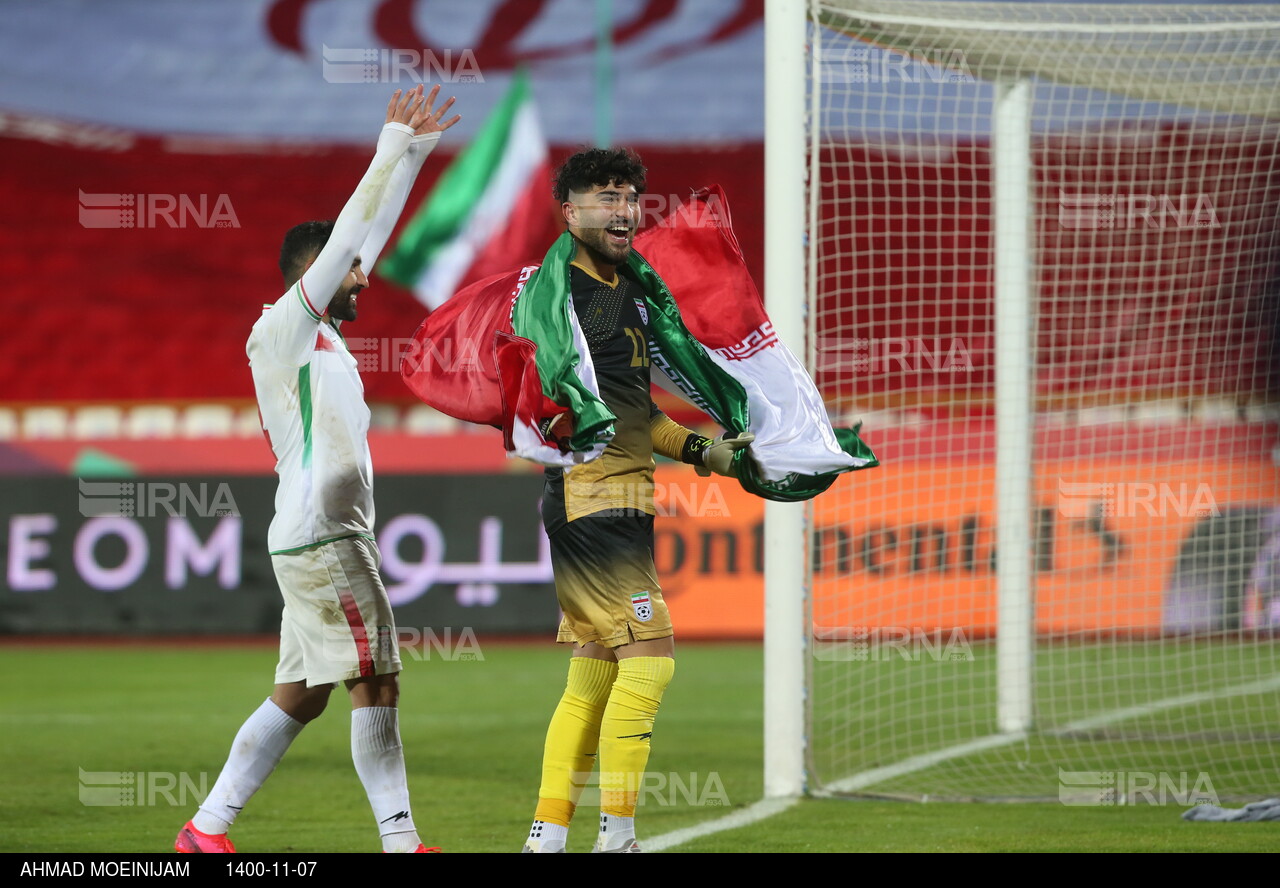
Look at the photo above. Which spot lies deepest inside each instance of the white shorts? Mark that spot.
(337, 622)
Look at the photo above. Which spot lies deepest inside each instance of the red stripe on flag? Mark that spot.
(521, 388)
(358, 631)
(697, 254)
(761, 338)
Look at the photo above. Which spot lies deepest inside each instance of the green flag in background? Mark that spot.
(491, 209)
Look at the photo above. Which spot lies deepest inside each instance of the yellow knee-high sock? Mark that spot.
(626, 729)
(572, 738)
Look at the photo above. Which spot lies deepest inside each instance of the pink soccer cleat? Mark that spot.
(191, 841)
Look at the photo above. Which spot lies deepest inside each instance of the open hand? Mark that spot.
(415, 110)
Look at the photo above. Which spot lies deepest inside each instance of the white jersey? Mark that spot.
(308, 384)
(317, 423)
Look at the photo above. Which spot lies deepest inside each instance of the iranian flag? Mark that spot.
(490, 208)
(509, 352)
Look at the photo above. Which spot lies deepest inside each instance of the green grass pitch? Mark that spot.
(473, 732)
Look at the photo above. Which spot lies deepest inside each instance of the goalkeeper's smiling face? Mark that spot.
(604, 219)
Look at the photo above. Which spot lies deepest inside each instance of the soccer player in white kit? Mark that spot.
(337, 624)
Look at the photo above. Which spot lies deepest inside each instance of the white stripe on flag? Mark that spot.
(792, 429)
(524, 152)
(526, 440)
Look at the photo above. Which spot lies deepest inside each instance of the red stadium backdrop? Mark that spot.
(126, 314)
(162, 313)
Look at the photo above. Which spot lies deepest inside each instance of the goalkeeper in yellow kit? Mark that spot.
(599, 519)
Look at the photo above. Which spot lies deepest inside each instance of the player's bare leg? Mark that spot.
(300, 702)
(654, 647)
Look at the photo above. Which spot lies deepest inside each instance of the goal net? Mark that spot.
(1044, 271)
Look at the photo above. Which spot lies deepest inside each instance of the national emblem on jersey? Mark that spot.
(640, 604)
(644, 312)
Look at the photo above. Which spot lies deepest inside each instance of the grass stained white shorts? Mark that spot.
(337, 622)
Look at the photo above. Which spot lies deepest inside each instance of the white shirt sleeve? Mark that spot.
(402, 179)
(287, 332)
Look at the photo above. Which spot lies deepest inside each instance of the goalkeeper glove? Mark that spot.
(718, 455)
(547, 428)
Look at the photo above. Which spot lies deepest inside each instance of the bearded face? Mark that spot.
(604, 220)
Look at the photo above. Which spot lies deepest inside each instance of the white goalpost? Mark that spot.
(784, 541)
(1041, 250)
(1011, 198)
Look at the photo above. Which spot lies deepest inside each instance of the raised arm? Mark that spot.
(403, 177)
(287, 331)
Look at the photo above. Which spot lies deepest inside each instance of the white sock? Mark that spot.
(259, 745)
(550, 836)
(614, 831)
(379, 759)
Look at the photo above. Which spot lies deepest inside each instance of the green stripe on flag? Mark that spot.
(455, 193)
(542, 314)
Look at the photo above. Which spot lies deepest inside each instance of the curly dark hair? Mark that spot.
(302, 242)
(598, 166)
